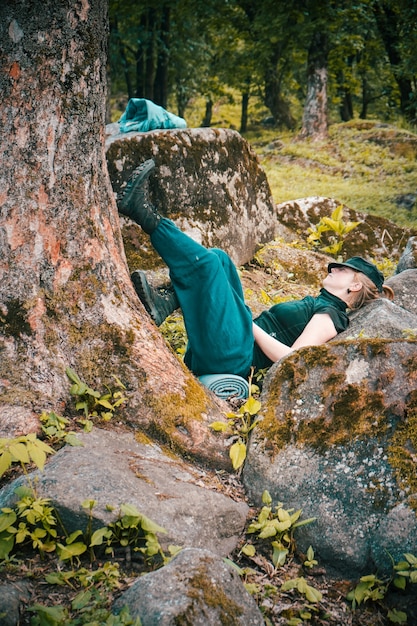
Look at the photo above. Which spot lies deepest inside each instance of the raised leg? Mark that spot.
(208, 288)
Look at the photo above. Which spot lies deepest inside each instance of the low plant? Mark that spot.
(90, 603)
(32, 522)
(25, 450)
(133, 529)
(300, 584)
(371, 588)
(54, 428)
(310, 561)
(239, 426)
(338, 229)
(93, 403)
(277, 526)
(88, 607)
(409, 333)
(174, 333)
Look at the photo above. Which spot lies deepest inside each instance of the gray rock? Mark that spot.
(337, 440)
(208, 180)
(11, 597)
(408, 259)
(113, 469)
(405, 289)
(381, 319)
(196, 588)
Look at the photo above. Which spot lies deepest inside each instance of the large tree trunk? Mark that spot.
(315, 123)
(65, 293)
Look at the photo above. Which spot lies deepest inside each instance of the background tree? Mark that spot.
(66, 298)
(397, 24)
(268, 49)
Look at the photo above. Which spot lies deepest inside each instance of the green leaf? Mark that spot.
(337, 214)
(313, 595)
(251, 406)
(99, 535)
(237, 454)
(249, 549)
(105, 403)
(269, 530)
(72, 440)
(19, 452)
(397, 617)
(283, 515)
(5, 462)
(130, 509)
(50, 615)
(68, 552)
(400, 582)
(73, 536)
(81, 600)
(350, 226)
(266, 498)
(303, 522)
(88, 504)
(279, 557)
(24, 492)
(7, 518)
(6, 545)
(72, 375)
(411, 559)
(219, 426)
(289, 584)
(37, 455)
(149, 526)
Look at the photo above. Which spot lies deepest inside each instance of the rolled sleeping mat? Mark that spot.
(226, 385)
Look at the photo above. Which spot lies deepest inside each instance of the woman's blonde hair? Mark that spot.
(368, 293)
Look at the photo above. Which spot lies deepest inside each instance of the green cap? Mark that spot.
(359, 264)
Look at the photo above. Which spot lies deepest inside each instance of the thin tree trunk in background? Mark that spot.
(315, 123)
(208, 113)
(161, 76)
(387, 21)
(244, 112)
(66, 298)
(114, 27)
(280, 110)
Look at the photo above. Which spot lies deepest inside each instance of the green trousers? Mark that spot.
(217, 320)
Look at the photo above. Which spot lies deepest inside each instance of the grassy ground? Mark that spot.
(370, 167)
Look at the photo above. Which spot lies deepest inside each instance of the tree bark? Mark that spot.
(244, 112)
(315, 124)
(66, 298)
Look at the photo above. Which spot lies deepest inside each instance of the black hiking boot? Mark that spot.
(134, 202)
(159, 302)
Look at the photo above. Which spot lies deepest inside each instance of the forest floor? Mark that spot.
(371, 168)
(72, 604)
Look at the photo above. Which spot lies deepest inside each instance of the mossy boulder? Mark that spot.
(197, 588)
(374, 236)
(338, 439)
(208, 180)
